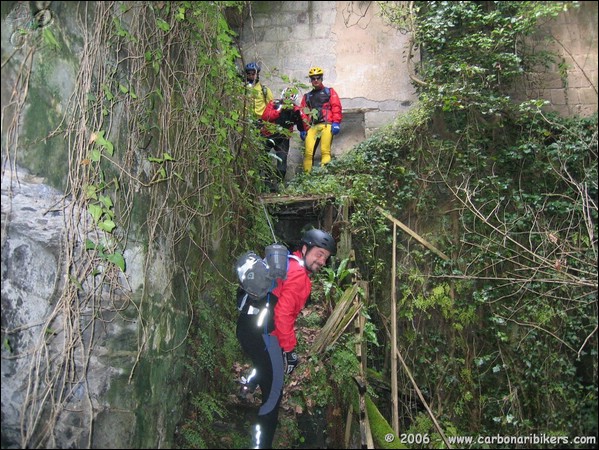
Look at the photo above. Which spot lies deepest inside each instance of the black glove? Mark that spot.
(291, 360)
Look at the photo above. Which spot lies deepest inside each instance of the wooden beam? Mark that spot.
(413, 234)
(285, 199)
(394, 393)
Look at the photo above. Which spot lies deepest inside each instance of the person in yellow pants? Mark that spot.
(319, 134)
(321, 109)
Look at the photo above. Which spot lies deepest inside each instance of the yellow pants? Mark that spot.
(318, 134)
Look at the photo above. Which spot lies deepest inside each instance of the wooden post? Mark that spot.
(328, 216)
(365, 431)
(394, 394)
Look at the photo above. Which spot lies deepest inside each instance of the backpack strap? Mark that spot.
(300, 261)
(242, 301)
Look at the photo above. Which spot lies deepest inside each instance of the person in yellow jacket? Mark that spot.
(259, 94)
(321, 109)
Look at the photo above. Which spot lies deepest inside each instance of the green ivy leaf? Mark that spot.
(117, 259)
(107, 201)
(50, 39)
(163, 25)
(95, 211)
(95, 155)
(107, 225)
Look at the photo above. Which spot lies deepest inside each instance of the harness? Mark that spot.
(311, 93)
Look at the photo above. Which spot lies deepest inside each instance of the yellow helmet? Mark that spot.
(315, 71)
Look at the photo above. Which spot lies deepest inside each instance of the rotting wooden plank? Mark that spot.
(285, 199)
(348, 422)
(342, 315)
(360, 323)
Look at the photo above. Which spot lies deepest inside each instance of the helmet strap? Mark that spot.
(304, 263)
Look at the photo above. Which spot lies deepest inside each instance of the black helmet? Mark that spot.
(319, 238)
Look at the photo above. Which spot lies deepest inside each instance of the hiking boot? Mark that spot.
(246, 392)
(248, 386)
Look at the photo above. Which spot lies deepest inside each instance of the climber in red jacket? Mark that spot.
(279, 119)
(266, 329)
(322, 111)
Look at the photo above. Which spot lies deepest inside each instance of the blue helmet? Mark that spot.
(252, 66)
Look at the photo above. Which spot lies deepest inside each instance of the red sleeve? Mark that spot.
(336, 110)
(292, 294)
(303, 107)
(298, 120)
(270, 114)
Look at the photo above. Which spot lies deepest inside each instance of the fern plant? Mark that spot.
(335, 280)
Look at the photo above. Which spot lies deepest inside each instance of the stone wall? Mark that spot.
(568, 82)
(123, 390)
(85, 362)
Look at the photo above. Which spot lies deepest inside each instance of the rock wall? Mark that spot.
(130, 395)
(86, 363)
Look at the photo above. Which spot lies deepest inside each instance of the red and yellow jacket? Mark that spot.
(292, 294)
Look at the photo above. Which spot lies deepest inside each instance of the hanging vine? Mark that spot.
(156, 155)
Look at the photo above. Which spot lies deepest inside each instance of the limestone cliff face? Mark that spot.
(91, 353)
(99, 338)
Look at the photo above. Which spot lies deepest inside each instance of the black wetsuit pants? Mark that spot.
(267, 358)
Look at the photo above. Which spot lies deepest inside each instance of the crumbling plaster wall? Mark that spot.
(363, 59)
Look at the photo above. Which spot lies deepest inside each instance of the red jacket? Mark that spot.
(327, 104)
(286, 118)
(292, 294)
